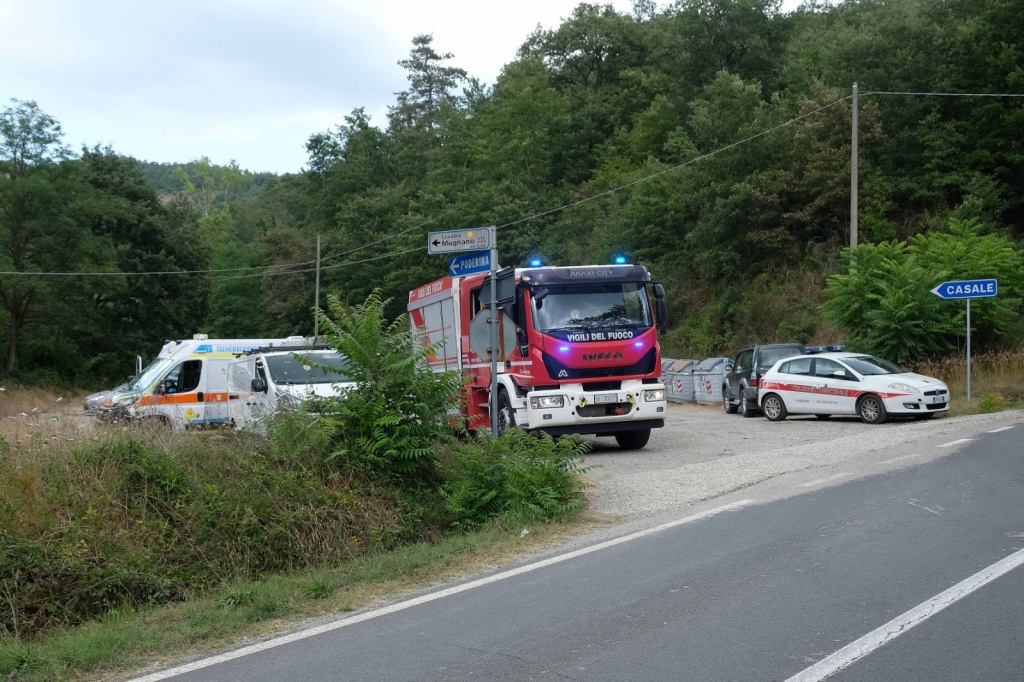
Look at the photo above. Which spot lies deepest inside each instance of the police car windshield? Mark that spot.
(151, 374)
(317, 368)
(592, 306)
(869, 366)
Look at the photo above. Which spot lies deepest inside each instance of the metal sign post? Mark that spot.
(492, 231)
(967, 289)
(477, 239)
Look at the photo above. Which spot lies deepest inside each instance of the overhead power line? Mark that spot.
(677, 167)
(298, 267)
(944, 94)
(325, 267)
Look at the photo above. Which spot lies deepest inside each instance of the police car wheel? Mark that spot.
(872, 410)
(773, 407)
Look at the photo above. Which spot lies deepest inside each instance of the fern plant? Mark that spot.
(390, 422)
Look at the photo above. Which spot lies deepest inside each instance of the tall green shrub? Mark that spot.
(390, 422)
(884, 301)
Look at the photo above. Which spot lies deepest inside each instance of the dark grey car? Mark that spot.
(739, 385)
(94, 403)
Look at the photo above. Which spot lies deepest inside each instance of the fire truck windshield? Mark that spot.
(592, 307)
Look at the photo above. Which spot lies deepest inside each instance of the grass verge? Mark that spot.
(134, 641)
(997, 381)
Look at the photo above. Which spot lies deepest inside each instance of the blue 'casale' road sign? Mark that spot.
(968, 288)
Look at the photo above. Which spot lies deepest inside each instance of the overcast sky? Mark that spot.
(248, 80)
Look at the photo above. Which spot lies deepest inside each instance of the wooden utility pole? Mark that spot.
(316, 303)
(853, 174)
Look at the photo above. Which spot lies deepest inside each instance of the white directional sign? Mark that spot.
(454, 241)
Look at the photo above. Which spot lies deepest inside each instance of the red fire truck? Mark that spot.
(577, 349)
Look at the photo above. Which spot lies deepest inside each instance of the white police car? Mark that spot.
(825, 384)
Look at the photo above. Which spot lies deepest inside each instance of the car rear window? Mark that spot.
(769, 356)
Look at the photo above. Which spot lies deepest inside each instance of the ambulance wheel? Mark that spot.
(159, 423)
(633, 440)
(726, 403)
(774, 408)
(506, 415)
(746, 408)
(872, 410)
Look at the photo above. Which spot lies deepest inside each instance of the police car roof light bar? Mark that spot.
(811, 350)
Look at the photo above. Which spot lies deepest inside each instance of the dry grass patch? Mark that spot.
(997, 380)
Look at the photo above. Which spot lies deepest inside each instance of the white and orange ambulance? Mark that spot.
(186, 386)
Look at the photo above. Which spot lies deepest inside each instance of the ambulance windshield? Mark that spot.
(315, 368)
(592, 307)
(151, 374)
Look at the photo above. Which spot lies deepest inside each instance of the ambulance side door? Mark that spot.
(182, 394)
(214, 386)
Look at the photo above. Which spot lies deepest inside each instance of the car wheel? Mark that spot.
(726, 403)
(506, 415)
(633, 440)
(746, 407)
(822, 416)
(872, 410)
(773, 407)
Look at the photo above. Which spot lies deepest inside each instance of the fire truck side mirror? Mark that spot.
(660, 307)
(661, 310)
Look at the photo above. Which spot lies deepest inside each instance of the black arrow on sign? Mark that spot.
(435, 242)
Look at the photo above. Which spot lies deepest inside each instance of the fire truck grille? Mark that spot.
(559, 372)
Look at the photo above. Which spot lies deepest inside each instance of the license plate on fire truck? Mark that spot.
(606, 398)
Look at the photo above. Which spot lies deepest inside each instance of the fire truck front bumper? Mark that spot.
(572, 409)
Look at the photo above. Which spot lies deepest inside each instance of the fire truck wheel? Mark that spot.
(633, 440)
(506, 415)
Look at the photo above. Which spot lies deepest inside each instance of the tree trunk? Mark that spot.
(12, 342)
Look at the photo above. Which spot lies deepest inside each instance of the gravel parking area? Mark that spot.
(702, 453)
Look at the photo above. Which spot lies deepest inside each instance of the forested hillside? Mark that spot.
(707, 139)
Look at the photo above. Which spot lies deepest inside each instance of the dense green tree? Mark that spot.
(142, 235)
(38, 233)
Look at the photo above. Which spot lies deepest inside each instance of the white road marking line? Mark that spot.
(434, 596)
(818, 481)
(1005, 428)
(858, 649)
(955, 442)
(898, 459)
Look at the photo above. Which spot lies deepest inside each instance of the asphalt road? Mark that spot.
(793, 571)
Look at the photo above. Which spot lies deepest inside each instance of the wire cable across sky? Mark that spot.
(302, 266)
